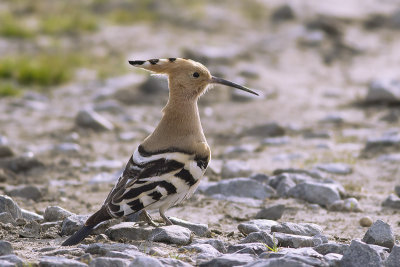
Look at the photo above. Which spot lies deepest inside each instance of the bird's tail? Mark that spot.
(98, 217)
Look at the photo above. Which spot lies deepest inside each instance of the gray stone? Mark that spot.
(105, 261)
(277, 262)
(248, 248)
(197, 228)
(240, 149)
(335, 168)
(327, 248)
(382, 144)
(239, 187)
(319, 239)
(56, 213)
(348, 204)
(126, 254)
(169, 262)
(306, 229)
(14, 259)
(129, 231)
(51, 261)
(72, 224)
(5, 248)
(8, 205)
(5, 151)
(65, 251)
(6, 217)
(31, 216)
(103, 249)
(228, 260)
(333, 259)
(392, 201)
(317, 135)
(312, 174)
(155, 251)
(31, 230)
(260, 177)
(109, 105)
(201, 248)
(145, 261)
(318, 193)
(397, 189)
(383, 91)
(271, 213)
(154, 86)
(394, 258)
(293, 241)
(171, 234)
(361, 254)
(5, 263)
(235, 168)
(216, 243)
(276, 141)
(259, 237)
(20, 164)
(67, 147)
(282, 13)
(256, 226)
(365, 221)
(88, 118)
(381, 234)
(271, 129)
(284, 186)
(3, 140)
(25, 191)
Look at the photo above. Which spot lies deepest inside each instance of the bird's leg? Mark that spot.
(165, 218)
(145, 216)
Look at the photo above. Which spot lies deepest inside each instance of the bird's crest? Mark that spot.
(161, 66)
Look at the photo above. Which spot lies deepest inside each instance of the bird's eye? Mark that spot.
(196, 75)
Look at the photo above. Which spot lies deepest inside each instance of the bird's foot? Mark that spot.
(145, 216)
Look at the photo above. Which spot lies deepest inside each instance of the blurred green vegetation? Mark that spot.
(8, 89)
(10, 26)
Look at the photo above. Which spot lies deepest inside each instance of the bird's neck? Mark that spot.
(180, 127)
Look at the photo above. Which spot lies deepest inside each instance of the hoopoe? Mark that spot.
(168, 165)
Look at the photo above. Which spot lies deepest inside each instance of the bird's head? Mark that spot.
(187, 78)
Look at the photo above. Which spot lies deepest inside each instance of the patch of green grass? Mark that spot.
(7, 89)
(12, 27)
(126, 17)
(274, 247)
(69, 23)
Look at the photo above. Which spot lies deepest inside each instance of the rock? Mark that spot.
(25, 191)
(381, 234)
(48, 225)
(397, 189)
(256, 226)
(72, 224)
(306, 229)
(201, 248)
(216, 243)
(109, 105)
(145, 261)
(20, 164)
(259, 237)
(335, 168)
(5, 151)
(271, 129)
(295, 172)
(5, 263)
(365, 221)
(31, 230)
(361, 254)
(349, 204)
(6, 217)
(88, 118)
(169, 262)
(51, 261)
(67, 147)
(394, 257)
(333, 259)
(248, 248)
(271, 213)
(197, 228)
(56, 213)
(381, 145)
(383, 91)
(285, 184)
(238, 187)
(277, 262)
(276, 141)
(103, 249)
(327, 248)
(317, 135)
(282, 13)
(229, 260)
(8, 205)
(319, 193)
(392, 201)
(31, 216)
(104, 164)
(153, 86)
(235, 168)
(155, 251)
(14, 259)
(5, 248)
(106, 261)
(260, 177)
(129, 231)
(240, 149)
(293, 241)
(3, 140)
(172, 234)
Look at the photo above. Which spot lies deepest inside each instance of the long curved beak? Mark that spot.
(231, 84)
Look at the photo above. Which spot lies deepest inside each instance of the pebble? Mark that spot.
(237, 150)
(293, 241)
(89, 118)
(366, 221)
(395, 157)
(31, 230)
(381, 144)
(5, 151)
(129, 231)
(271, 129)
(381, 234)
(153, 86)
(155, 251)
(171, 234)
(383, 91)
(256, 226)
(197, 228)
(327, 248)
(235, 168)
(5, 248)
(259, 237)
(169, 262)
(271, 213)
(145, 261)
(305, 229)
(314, 174)
(260, 177)
(392, 201)
(109, 105)
(348, 204)
(103, 249)
(31, 216)
(282, 13)
(229, 260)
(317, 135)
(25, 191)
(276, 141)
(361, 254)
(8, 205)
(52, 261)
(201, 248)
(56, 213)
(72, 224)
(238, 187)
(248, 248)
(394, 257)
(333, 259)
(21, 163)
(397, 189)
(67, 147)
(107, 261)
(6, 217)
(216, 243)
(14, 259)
(335, 168)
(3, 140)
(319, 193)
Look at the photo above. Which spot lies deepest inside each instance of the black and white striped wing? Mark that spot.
(154, 181)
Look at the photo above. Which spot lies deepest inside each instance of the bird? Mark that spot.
(167, 167)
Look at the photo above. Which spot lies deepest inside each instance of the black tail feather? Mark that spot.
(78, 236)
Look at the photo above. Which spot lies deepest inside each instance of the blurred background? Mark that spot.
(72, 110)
